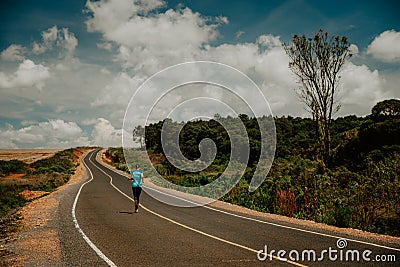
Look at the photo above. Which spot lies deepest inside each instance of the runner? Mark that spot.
(137, 181)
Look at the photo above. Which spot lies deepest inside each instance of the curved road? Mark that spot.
(107, 232)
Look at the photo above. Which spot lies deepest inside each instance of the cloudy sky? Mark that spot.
(69, 68)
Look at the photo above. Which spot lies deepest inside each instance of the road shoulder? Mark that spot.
(37, 242)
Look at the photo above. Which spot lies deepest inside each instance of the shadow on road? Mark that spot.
(127, 212)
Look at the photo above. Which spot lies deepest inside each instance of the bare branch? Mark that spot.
(316, 62)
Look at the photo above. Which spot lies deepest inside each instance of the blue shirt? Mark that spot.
(137, 178)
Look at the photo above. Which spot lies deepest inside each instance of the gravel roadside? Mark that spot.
(38, 240)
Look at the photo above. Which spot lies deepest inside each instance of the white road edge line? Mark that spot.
(280, 225)
(264, 222)
(193, 229)
(88, 241)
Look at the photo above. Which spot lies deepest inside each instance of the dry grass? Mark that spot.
(27, 155)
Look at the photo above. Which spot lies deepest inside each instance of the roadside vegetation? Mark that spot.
(45, 175)
(358, 187)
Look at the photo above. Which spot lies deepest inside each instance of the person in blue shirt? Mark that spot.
(137, 181)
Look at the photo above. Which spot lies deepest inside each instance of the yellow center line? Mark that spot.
(193, 229)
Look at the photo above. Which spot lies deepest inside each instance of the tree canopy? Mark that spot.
(389, 108)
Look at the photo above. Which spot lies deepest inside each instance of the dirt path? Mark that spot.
(37, 242)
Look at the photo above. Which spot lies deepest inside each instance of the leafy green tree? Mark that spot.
(389, 108)
(317, 62)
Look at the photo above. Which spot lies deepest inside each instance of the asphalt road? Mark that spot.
(107, 232)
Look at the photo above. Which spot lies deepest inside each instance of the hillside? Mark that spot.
(31, 174)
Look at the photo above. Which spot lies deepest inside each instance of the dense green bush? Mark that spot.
(115, 154)
(123, 167)
(12, 166)
(10, 198)
(55, 163)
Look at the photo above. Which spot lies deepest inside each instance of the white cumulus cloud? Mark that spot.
(52, 133)
(360, 89)
(105, 46)
(386, 46)
(13, 53)
(148, 40)
(28, 74)
(105, 135)
(353, 49)
(49, 36)
(62, 38)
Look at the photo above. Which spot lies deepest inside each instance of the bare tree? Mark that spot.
(317, 62)
(139, 135)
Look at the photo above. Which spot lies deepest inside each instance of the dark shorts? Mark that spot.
(136, 192)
